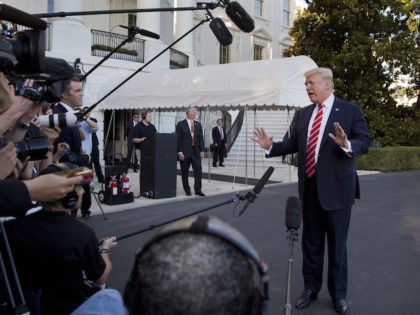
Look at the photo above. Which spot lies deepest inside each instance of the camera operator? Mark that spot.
(52, 251)
(72, 99)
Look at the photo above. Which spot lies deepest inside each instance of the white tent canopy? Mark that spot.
(264, 83)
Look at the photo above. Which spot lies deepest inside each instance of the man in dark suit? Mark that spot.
(71, 100)
(95, 156)
(328, 182)
(219, 141)
(129, 134)
(190, 150)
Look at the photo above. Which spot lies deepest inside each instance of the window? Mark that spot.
(286, 13)
(132, 19)
(258, 52)
(258, 7)
(224, 54)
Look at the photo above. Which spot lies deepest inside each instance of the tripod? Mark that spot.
(16, 303)
(92, 191)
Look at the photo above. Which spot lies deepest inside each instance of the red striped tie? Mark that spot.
(313, 140)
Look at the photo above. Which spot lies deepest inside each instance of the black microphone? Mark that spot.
(240, 17)
(221, 32)
(141, 31)
(251, 196)
(293, 213)
(56, 69)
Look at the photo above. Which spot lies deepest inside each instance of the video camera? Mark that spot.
(22, 56)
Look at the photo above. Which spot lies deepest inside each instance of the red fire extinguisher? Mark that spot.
(125, 181)
(113, 186)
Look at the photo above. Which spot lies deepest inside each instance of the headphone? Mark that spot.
(215, 227)
(71, 199)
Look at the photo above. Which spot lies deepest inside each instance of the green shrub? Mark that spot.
(126, 51)
(390, 159)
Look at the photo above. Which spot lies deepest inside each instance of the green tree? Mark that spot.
(369, 45)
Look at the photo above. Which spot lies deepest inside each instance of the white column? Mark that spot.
(69, 35)
(150, 20)
(183, 22)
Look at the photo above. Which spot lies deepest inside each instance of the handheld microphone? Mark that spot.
(240, 17)
(251, 196)
(293, 218)
(141, 31)
(293, 213)
(221, 32)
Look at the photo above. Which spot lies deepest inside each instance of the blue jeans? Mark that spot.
(103, 302)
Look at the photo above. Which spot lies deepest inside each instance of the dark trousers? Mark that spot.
(195, 161)
(318, 224)
(219, 152)
(94, 157)
(130, 149)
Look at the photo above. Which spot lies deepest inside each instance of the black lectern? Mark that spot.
(158, 166)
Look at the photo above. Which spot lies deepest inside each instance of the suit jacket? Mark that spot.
(95, 140)
(185, 140)
(71, 136)
(216, 135)
(129, 132)
(336, 175)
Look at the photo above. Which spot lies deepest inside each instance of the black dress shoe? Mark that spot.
(340, 306)
(86, 215)
(200, 193)
(222, 165)
(214, 165)
(188, 193)
(305, 298)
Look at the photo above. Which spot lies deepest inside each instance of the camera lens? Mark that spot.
(36, 148)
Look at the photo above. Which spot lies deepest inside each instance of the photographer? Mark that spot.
(50, 135)
(8, 160)
(52, 251)
(12, 107)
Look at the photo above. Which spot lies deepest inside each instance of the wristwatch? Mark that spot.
(104, 251)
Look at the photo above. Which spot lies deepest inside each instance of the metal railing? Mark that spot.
(178, 59)
(104, 42)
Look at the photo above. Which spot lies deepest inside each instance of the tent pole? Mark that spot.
(255, 123)
(208, 149)
(288, 131)
(113, 137)
(246, 145)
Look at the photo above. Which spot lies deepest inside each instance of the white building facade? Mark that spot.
(90, 37)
